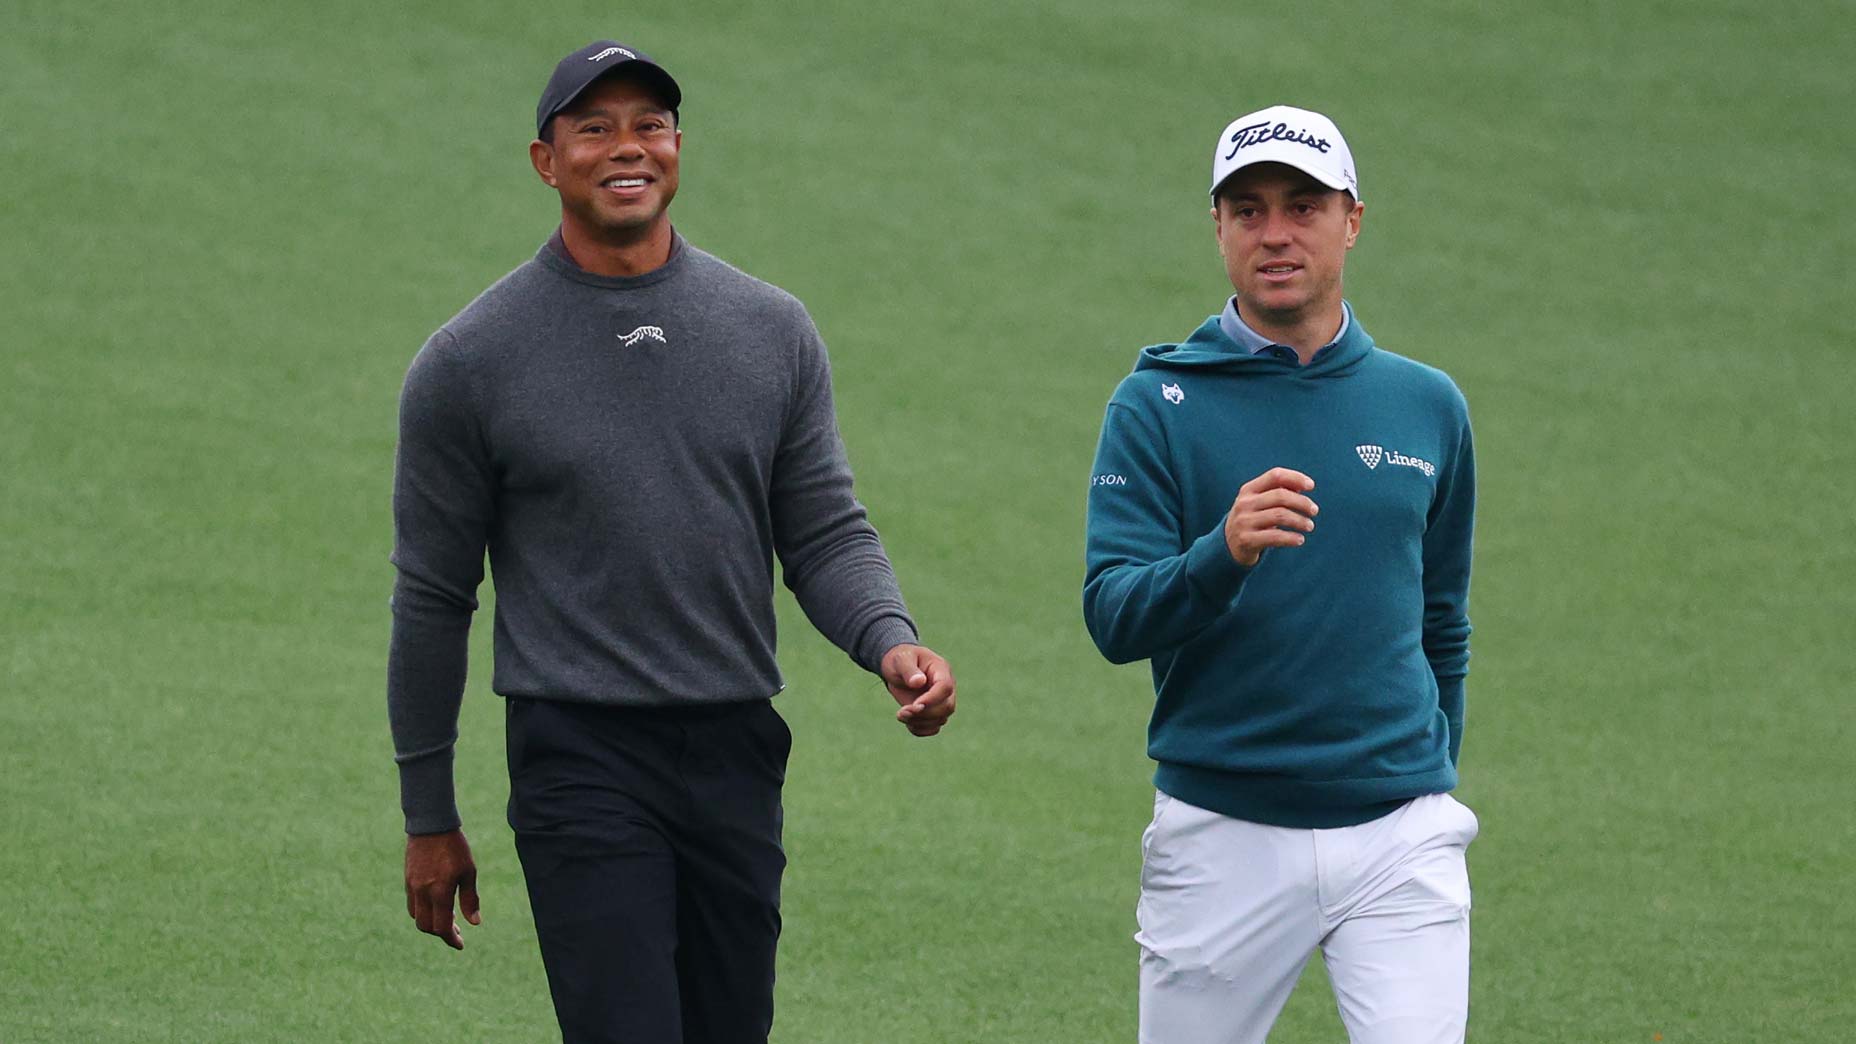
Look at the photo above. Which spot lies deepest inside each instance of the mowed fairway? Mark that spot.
(1624, 229)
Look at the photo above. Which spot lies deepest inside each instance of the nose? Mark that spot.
(1276, 228)
(626, 147)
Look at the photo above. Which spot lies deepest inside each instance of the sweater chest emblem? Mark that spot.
(643, 333)
(1172, 393)
(1371, 456)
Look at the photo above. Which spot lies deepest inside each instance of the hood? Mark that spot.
(1209, 347)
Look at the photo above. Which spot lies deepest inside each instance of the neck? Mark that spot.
(1307, 333)
(631, 256)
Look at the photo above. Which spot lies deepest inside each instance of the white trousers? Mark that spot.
(1230, 911)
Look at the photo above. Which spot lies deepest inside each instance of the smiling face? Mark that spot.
(613, 159)
(1284, 237)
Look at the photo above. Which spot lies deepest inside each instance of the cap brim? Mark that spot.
(1323, 177)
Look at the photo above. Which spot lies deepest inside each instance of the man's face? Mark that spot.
(613, 160)
(1284, 237)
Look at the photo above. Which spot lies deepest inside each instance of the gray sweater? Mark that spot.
(633, 453)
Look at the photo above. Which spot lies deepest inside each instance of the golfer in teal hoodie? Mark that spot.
(1279, 522)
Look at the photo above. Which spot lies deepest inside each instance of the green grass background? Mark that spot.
(1623, 228)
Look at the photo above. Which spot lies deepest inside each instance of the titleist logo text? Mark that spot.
(1258, 133)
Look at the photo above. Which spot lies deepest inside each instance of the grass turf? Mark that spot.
(1618, 226)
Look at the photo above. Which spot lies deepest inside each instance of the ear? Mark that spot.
(1353, 224)
(1217, 228)
(541, 154)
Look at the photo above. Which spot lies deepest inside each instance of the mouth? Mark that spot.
(627, 185)
(1278, 271)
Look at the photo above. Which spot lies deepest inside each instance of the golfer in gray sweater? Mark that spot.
(634, 430)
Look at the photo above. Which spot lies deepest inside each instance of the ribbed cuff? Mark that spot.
(1450, 698)
(1210, 568)
(427, 794)
(884, 634)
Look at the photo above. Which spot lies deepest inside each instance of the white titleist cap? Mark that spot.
(1307, 141)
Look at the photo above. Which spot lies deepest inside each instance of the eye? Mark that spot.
(593, 128)
(1246, 213)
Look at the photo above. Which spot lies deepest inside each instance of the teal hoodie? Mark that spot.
(1323, 686)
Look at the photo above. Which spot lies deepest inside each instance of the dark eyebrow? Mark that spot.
(607, 114)
(1309, 191)
(601, 112)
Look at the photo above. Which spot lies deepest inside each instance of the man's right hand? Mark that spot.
(1270, 511)
(439, 866)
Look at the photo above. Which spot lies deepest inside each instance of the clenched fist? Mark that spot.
(1270, 511)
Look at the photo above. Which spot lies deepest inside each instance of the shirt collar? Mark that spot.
(558, 247)
(1255, 343)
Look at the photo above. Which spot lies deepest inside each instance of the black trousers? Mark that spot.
(650, 841)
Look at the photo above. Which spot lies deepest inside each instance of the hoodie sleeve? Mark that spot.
(1148, 588)
(1447, 537)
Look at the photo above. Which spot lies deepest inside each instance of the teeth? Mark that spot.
(627, 182)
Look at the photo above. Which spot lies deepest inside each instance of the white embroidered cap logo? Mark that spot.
(1369, 454)
(654, 333)
(609, 52)
(1172, 393)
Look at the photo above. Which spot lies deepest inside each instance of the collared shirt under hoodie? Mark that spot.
(1246, 337)
(1324, 686)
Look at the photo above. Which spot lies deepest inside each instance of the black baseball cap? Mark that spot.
(577, 71)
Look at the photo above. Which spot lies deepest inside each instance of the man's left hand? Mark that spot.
(923, 685)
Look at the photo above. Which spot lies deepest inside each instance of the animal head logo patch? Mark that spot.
(1369, 455)
(1172, 393)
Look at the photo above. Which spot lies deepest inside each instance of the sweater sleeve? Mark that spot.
(830, 555)
(1149, 587)
(1448, 534)
(442, 505)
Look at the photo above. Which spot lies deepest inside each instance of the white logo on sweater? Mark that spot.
(655, 333)
(1371, 455)
(1172, 393)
